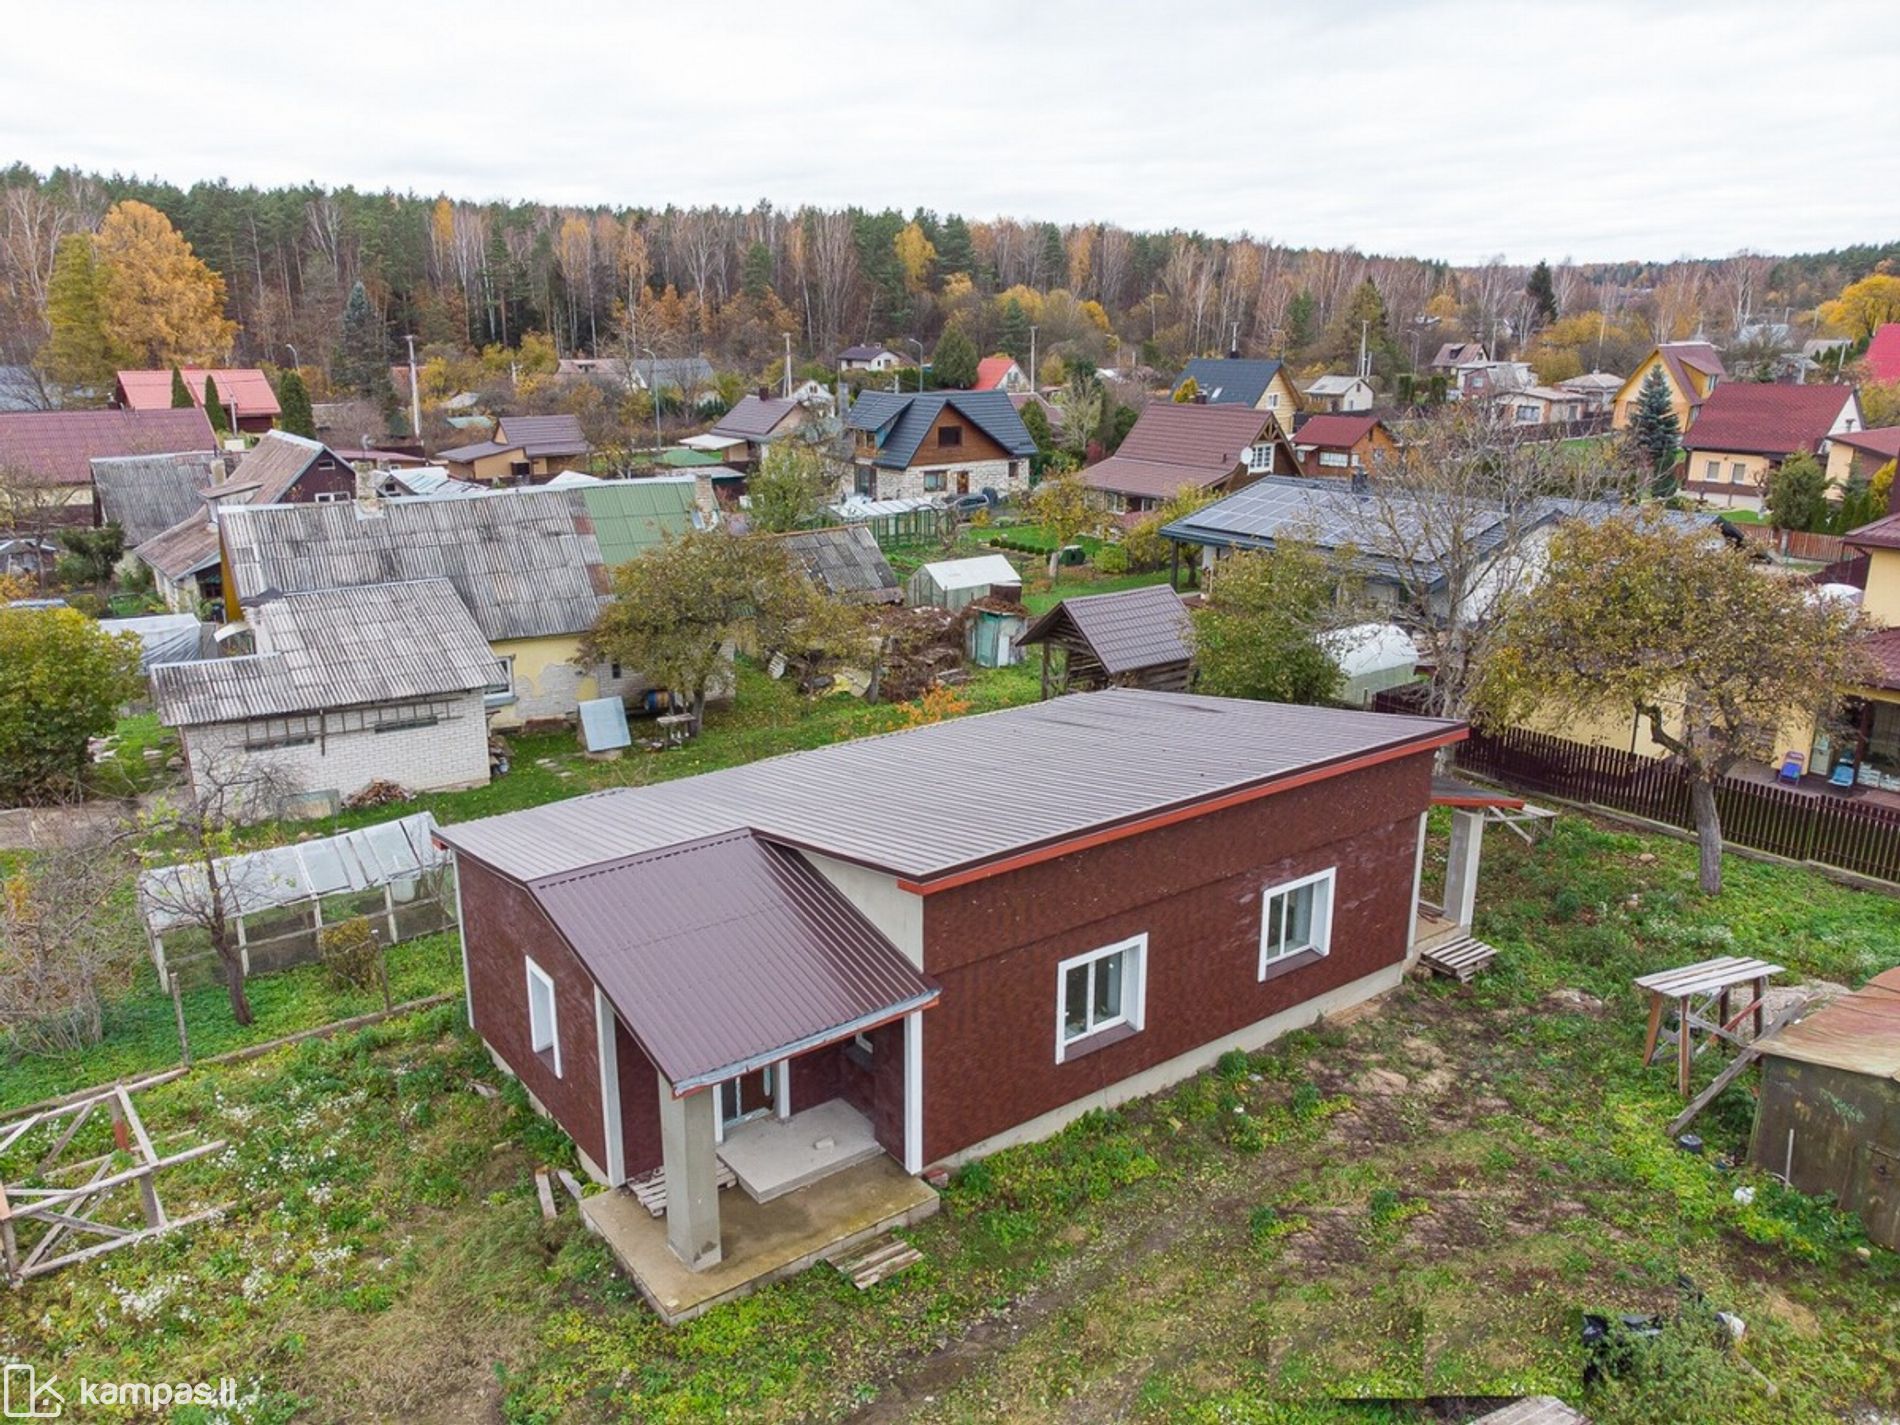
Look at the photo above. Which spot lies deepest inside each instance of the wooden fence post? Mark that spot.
(178, 1012)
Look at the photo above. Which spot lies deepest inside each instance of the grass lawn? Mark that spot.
(1417, 1202)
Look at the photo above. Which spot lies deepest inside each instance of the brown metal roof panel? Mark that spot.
(902, 801)
(727, 953)
(1135, 628)
(1859, 1032)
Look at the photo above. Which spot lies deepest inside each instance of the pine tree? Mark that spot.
(1055, 257)
(1543, 294)
(77, 356)
(757, 271)
(181, 393)
(214, 408)
(953, 366)
(361, 364)
(1301, 312)
(1654, 430)
(293, 397)
(1012, 333)
(955, 251)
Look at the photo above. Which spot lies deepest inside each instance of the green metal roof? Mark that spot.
(630, 516)
(682, 458)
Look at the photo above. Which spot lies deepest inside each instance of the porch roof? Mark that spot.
(725, 954)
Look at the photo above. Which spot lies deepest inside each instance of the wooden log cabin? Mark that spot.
(1137, 638)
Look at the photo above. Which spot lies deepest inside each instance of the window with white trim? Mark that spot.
(1334, 459)
(544, 1036)
(1100, 991)
(1260, 457)
(1296, 918)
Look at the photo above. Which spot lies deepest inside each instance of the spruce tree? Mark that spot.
(293, 397)
(1655, 431)
(953, 366)
(362, 358)
(77, 356)
(1543, 294)
(214, 408)
(955, 251)
(1012, 333)
(1055, 257)
(181, 393)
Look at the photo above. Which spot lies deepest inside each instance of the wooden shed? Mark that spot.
(1829, 1115)
(1138, 638)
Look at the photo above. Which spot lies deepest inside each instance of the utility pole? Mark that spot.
(1362, 349)
(1032, 358)
(788, 366)
(653, 390)
(920, 361)
(415, 393)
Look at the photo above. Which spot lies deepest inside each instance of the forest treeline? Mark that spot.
(732, 283)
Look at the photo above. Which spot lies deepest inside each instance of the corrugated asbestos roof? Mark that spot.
(846, 561)
(264, 476)
(145, 495)
(725, 953)
(1136, 628)
(526, 563)
(1859, 1032)
(903, 802)
(334, 648)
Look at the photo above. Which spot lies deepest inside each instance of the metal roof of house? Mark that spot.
(993, 371)
(1179, 445)
(1333, 385)
(244, 387)
(1760, 418)
(726, 953)
(469, 454)
(145, 495)
(1880, 441)
(1883, 353)
(1858, 1032)
(1230, 380)
(864, 353)
(544, 435)
(845, 559)
(526, 562)
(902, 421)
(631, 516)
(1136, 628)
(334, 648)
(755, 417)
(902, 802)
(1335, 430)
(257, 881)
(683, 372)
(57, 447)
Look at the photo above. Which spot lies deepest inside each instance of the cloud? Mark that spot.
(1454, 130)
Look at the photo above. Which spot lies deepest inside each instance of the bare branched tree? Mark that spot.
(68, 937)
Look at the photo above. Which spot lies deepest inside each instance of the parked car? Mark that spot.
(975, 502)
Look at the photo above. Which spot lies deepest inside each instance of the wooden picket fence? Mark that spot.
(1842, 832)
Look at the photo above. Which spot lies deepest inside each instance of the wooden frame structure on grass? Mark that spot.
(34, 1220)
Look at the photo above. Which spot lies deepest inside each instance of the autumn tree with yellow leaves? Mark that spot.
(159, 304)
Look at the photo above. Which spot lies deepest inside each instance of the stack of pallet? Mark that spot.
(870, 1264)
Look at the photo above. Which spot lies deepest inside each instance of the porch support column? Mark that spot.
(1418, 882)
(692, 1190)
(914, 1092)
(1461, 868)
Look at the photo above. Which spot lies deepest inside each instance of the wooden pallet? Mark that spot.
(651, 1189)
(880, 1258)
(1458, 957)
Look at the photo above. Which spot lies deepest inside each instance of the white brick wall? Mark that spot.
(452, 753)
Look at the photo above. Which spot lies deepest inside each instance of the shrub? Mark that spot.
(1111, 559)
(349, 953)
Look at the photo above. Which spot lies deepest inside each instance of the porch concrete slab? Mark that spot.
(1430, 929)
(771, 1157)
(761, 1241)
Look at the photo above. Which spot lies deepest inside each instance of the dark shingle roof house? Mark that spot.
(1181, 446)
(58, 447)
(756, 417)
(145, 495)
(1230, 380)
(869, 352)
(1684, 356)
(899, 422)
(1459, 353)
(841, 953)
(1758, 418)
(536, 437)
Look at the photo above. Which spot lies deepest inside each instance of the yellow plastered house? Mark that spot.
(1692, 369)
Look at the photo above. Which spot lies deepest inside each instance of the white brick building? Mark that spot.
(347, 687)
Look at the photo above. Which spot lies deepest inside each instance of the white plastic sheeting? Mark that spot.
(360, 860)
(1372, 656)
(163, 638)
(952, 583)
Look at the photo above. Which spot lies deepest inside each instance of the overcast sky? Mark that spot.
(1592, 128)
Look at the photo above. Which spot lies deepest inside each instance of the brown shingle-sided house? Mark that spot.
(244, 392)
(937, 443)
(280, 469)
(1175, 447)
(46, 456)
(1745, 429)
(1343, 445)
(525, 450)
(828, 971)
(1137, 638)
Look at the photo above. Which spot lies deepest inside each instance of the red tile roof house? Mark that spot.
(1745, 429)
(242, 391)
(1343, 446)
(1179, 446)
(1882, 360)
(1000, 373)
(1868, 450)
(48, 455)
(827, 973)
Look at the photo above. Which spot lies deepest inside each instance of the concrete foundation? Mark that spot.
(771, 1157)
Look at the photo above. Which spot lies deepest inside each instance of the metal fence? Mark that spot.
(1842, 832)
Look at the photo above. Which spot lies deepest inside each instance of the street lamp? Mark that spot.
(293, 354)
(920, 361)
(653, 390)
(1032, 358)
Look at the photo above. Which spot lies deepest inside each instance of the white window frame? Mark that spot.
(1134, 991)
(1335, 459)
(1322, 938)
(540, 979)
(1713, 470)
(501, 692)
(1259, 457)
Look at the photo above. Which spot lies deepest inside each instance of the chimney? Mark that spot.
(1200, 398)
(765, 393)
